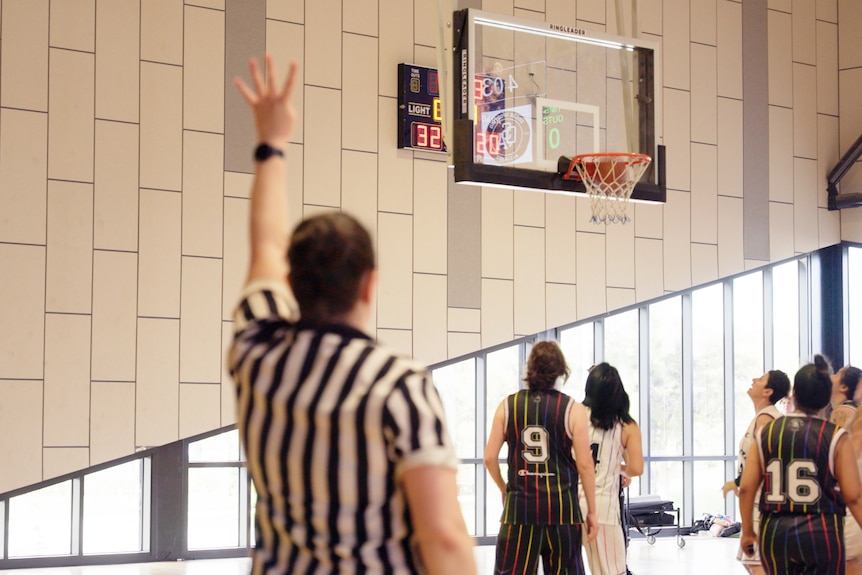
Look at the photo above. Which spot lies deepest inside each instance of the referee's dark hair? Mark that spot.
(812, 388)
(545, 364)
(328, 256)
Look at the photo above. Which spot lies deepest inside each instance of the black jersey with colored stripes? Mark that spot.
(543, 479)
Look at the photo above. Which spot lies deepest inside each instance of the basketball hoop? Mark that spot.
(609, 178)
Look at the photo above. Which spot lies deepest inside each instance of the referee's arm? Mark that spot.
(274, 118)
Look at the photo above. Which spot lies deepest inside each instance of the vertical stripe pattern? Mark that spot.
(329, 419)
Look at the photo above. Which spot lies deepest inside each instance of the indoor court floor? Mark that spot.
(664, 557)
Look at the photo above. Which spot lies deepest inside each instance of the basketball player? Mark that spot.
(844, 404)
(345, 439)
(541, 516)
(614, 438)
(808, 472)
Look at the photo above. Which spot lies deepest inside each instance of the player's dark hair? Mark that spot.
(850, 378)
(812, 388)
(779, 383)
(328, 256)
(606, 397)
(545, 364)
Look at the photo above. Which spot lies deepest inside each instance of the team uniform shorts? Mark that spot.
(755, 558)
(607, 554)
(802, 544)
(519, 548)
(852, 538)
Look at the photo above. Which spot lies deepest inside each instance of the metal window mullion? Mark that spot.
(599, 342)
(77, 516)
(481, 479)
(729, 390)
(845, 305)
(805, 311)
(643, 392)
(4, 528)
(146, 523)
(687, 406)
(768, 320)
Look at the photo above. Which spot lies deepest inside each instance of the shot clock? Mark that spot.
(419, 112)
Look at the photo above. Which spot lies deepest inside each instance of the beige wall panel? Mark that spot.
(115, 278)
(359, 190)
(395, 262)
(359, 94)
(287, 10)
(560, 238)
(650, 13)
(396, 43)
(677, 241)
(322, 150)
(704, 193)
(69, 269)
(850, 94)
(24, 58)
(499, 6)
(398, 339)
(118, 58)
(729, 49)
(203, 70)
(57, 461)
(288, 42)
(161, 126)
(238, 185)
(649, 268)
(806, 188)
(159, 260)
(676, 49)
(425, 23)
(200, 408)
(620, 255)
(395, 166)
(704, 92)
(591, 11)
(851, 225)
(112, 420)
(323, 42)
(804, 111)
(529, 208)
(228, 390)
(236, 253)
(804, 32)
(497, 233)
(463, 343)
(116, 189)
(361, 16)
(22, 304)
(730, 246)
(704, 263)
(561, 304)
(828, 10)
(827, 68)
(532, 5)
(730, 147)
(677, 138)
(67, 380)
(212, 4)
(73, 24)
(704, 23)
(157, 390)
(620, 297)
(200, 321)
(780, 154)
(592, 293)
(295, 183)
(780, 60)
(781, 5)
(429, 317)
(648, 219)
(20, 433)
(829, 227)
(464, 319)
(497, 311)
(849, 42)
(529, 288)
(781, 231)
(162, 31)
(430, 217)
(23, 176)
(203, 195)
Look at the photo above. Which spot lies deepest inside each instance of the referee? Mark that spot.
(345, 440)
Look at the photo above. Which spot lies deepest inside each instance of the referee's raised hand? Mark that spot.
(270, 102)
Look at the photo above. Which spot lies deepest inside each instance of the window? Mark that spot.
(665, 372)
(40, 522)
(708, 371)
(114, 506)
(854, 306)
(747, 345)
(578, 346)
(457, 386)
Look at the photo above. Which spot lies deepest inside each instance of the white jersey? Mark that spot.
(748, 439)
(607, 448)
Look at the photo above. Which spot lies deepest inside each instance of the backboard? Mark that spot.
(529, 95)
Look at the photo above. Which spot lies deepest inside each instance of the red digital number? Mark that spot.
(433, 87)
(436, 138)
(421, 135)
(478, 89)
(488, 144)
(428, 136)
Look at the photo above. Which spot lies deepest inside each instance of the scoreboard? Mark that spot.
(419, 113)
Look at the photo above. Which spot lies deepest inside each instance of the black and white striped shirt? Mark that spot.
(329, 419)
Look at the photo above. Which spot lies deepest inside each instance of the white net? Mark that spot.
(610, 179)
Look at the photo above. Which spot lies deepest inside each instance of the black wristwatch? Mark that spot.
(265, 151)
